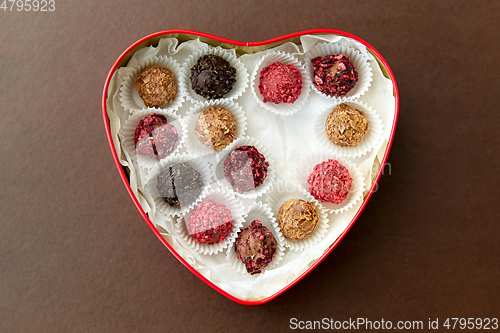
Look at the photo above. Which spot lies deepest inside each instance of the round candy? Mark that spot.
(215, 128)
(212, 77)
(346, 126)
(210, 222)
(297, 219)
(245, 168)
(154, 138)
(330, 182)
(334, 75)
(280, 83)
(156, 86)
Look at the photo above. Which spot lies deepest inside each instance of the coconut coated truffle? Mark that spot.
(255, 247)
(297, 219)
(156, 86)
(216, 128)
(346, 126)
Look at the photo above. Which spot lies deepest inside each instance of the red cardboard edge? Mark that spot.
(224, 40)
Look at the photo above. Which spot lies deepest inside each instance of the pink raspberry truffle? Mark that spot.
(330, 182)
(154, 138)
(210, 222)
(280, 83)
(334, 75)
(245, 168)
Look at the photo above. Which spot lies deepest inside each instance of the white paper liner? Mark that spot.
(241, 73)
(193, 145)
(281, 109)
(371, 139)
(360, 63)
(200, 165)
(262, 212)
(129, 96)
(284, 190)
(355, 193)
(128, 132)
(232, 203)
(246, 141)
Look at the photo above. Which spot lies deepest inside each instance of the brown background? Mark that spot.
(76, 256)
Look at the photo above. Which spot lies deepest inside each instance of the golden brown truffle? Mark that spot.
(346, 126)
(216, 128)
(156, 86)
(297, 219)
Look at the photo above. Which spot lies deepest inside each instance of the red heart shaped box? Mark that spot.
(184, 35)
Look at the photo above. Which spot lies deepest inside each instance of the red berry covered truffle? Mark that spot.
(280, 83)
(210, 222)
(154, 138)
(330, 182)
(245, 168)
(334, 75)
(255, 247)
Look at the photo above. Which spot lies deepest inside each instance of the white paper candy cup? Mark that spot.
(370, 140)
(357, 187)
(193, 144)
(129, 96)
(128, 133)
(284, 190)
(232, 203)
(262, 212)
(241, 73)
(360, 63)
(198, 164)
(266, 184)
(283, 109)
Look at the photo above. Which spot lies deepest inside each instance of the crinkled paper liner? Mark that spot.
(200, 165)
(232, 203)
(241, 73)
(355, 193)
(371, 139)
(281, 109)
(129, 96)
(246, 141)
(193, 145)
(262, 212)
(128, 133)
(284, 190)
(359, 61)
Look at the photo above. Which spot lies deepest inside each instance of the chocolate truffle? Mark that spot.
(280, 83)
(210, 222)
(156, 86)
(255, 246)
(346, 126)
(212, 77)
(297, 219)
(179, 184)
(334, 75)
(330, 182)
(216, 128)
(154, 138)
(245, 168)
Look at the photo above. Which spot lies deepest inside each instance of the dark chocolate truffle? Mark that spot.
(280, 83)
(212, 77)
(216, 128)
(154, 138)
(245, 168)
(210, 222)
(334, 75)
(156, 86)
(330, 182)
(255, 247)
(297, 219)
(346, 126)
(179, 184)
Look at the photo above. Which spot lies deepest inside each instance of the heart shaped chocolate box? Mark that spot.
(210, 135)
